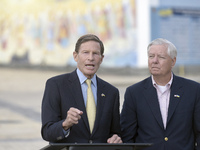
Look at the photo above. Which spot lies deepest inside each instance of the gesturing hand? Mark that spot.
(73, 115)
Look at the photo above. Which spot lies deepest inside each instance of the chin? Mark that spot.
(155, 73)
(90, 73)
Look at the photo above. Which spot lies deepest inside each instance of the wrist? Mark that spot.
(65, 126)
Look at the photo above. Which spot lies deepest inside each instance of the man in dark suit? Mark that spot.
(163, 109)
(64, 115)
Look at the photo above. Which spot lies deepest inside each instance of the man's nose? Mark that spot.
(155, 59)
(91, 56)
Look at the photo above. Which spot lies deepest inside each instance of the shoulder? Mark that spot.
(141, 84)
(185, 81)
(103, 83)
(62, 78)
(58, 78)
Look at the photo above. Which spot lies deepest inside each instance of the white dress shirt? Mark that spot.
(163, 93)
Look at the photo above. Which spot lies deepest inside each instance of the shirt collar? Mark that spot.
(169, 83)
(82, 78)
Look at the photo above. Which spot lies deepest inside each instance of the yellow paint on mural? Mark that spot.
(165, 12)
(43, 31)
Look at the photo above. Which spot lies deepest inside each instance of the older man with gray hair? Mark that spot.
(163, 109)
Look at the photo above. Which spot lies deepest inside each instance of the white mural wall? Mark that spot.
(44, 32)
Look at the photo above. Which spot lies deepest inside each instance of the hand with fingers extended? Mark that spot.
(114, 139)
(73, 116)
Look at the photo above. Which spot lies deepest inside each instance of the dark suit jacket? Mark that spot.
(141, 119)
(63, 92)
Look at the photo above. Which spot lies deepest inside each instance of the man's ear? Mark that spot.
(75, 55)
(102, 58)
(173, 62)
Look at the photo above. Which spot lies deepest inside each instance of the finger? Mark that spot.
(73, 115)
(118, 140)
(110, 140)
(73, 118)
(76, 111)
(114, 139)
(73, 112)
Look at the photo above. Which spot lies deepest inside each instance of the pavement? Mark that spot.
(21, 92)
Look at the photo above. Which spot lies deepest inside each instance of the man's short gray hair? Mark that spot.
(171, 49)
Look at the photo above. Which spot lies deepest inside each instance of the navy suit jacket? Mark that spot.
(141, 120)
(64, 91)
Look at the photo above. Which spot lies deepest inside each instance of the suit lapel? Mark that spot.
(175, 97)
(78, 96)
(100, 103)
(152, 99)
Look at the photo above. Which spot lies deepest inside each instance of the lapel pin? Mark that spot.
(176, 96)
(103, 95)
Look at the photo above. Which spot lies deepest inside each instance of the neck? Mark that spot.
(162, 80)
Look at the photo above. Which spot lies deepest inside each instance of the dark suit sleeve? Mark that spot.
(128, 118)
(197, 118)
(51, 116)
(115, 127)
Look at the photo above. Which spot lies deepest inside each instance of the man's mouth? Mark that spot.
(89, 65)
(155, 68)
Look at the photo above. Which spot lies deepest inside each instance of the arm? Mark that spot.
(115, 130)
(197, 119)
(128, 118)
(53, 124)
(51, 115)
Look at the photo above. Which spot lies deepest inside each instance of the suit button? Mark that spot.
(59, 138)
(90, 141)
(166, 138)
